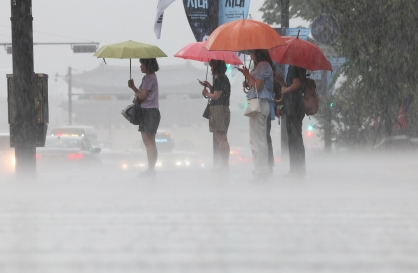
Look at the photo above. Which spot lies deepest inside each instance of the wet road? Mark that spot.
(352, 214)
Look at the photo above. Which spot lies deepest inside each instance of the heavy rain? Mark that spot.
(91, 206)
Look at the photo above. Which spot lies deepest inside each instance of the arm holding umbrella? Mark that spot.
(295, 85)
(215, 96)
(141, 95)
(250, 79)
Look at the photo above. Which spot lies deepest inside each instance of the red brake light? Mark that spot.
(75, 156)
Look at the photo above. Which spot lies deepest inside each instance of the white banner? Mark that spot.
(162, 5)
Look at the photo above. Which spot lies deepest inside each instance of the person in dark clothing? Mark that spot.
(277, 95)
(294, 109)
(219, 113)
(270, 145)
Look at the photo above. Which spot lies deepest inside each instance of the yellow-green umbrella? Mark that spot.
(130, 50)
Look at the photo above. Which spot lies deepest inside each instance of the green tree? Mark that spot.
(378, 38)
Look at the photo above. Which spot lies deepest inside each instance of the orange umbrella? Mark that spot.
(244, 34)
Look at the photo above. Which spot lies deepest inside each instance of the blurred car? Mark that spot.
(171, 161)
(168, 158)
(163, 141)
(239, 156)
(76, 130)
(7, 154)
(117, 160)
(66, 152)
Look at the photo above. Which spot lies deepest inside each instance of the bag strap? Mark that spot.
(256, 92)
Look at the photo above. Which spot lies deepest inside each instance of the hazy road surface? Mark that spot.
(353, 214)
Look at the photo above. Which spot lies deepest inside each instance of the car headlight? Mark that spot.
(13, 160)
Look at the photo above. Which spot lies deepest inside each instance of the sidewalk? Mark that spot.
(353, 214)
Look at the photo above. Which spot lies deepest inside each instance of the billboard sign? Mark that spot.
(231, 10)
(205, 16)
(202, 16)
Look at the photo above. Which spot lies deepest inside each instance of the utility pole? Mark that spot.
(284, 4)
(284, 145)
(70, 99)
(328, 117)
(23, 131)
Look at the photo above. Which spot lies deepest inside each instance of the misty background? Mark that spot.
(354, 212)
(109, 22)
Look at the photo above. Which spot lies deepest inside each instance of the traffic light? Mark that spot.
(310, 128)
(84, 48)
(331, 104)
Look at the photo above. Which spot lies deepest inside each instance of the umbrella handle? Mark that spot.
(246, 88)
(281, 98)
(130, 70)
(245, 79)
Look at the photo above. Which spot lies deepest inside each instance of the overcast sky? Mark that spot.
(102, 21)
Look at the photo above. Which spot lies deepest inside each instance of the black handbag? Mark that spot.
(135, 114)
(206, 112)
(127, 112)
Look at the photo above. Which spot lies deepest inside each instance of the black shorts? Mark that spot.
(149, 120)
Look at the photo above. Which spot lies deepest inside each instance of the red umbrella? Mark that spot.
(300, 53)
(196, 51)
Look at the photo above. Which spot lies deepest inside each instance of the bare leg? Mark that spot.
(152, 153)
(224, 148)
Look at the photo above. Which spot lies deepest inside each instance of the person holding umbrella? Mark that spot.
(219, 113)
(147, 96)
(260, 82)
(292, 93)
(300, 55)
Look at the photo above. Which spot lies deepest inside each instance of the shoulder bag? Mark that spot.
(132, 112)
(127, 112)
(136, 114)
(253, 107)
(206, 112)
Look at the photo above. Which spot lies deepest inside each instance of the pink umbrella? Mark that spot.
(196, 51)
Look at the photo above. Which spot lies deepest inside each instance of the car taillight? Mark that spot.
(75, 156)
(37, 156)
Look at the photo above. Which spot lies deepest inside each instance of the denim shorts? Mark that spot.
(149, 120)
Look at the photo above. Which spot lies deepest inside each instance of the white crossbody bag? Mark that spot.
(253, 107)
